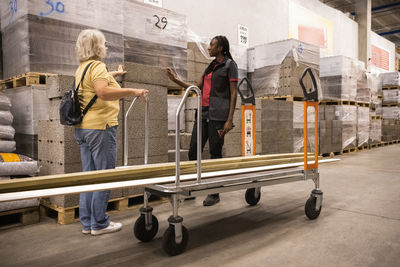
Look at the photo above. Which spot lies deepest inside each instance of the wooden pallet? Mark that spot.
(363, 147)
(363, 104)
(376, 117)
(71, 214)
(390, 87)
(391, 105)
(349, 150)
(288, 98)
(26, 79)
(375, 145)
(338, 102)
(19, 217)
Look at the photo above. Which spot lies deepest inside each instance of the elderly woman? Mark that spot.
(96, 135)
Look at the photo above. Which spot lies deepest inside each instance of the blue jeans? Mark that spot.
(98, 152)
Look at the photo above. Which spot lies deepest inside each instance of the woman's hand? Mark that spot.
(227, 127)
(118, 72)
(142, 93)
(171, 74)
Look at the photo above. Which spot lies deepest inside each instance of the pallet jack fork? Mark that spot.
(175, 238)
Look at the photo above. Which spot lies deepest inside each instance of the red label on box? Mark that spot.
(379, 57)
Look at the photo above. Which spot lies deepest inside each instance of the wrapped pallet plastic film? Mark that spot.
(7, 132)
(154, 36)
(15, 164)
(339, 76)
(391, 96)
(375, 83)
(391, 113)
(346, 115)
(363, 123)
(298, 128)
(276, 67)
(363, 88)
(390, 78)
(45, 44)
(375, 131)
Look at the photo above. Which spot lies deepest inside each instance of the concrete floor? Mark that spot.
(359, 226)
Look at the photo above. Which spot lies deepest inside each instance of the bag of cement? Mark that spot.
(6, 118)
(7, 132)
(19, 204)
(7, 146)
(5, 103)
(15, 164)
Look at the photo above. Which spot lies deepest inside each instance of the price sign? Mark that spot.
(158, 3)
(243, 35)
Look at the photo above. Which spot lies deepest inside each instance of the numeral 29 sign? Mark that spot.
(161, 23)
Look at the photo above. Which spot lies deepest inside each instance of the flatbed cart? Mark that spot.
(176, 236)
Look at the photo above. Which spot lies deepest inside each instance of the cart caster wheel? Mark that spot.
(310, 210)
(140, 231)
(169, 243)
(250, 196)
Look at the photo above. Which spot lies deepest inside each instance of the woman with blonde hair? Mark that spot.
(96, 135)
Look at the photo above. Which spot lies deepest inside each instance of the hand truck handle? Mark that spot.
(250, 99)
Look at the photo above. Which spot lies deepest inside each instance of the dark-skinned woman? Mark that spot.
(218, 86)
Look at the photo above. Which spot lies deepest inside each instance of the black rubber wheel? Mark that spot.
(140, 231)
(169, 244)
(310, 210)
(250, 196)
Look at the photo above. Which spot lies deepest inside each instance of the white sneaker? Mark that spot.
(86, 232)
(113, 227)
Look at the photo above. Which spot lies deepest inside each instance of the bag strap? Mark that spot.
(94, 98)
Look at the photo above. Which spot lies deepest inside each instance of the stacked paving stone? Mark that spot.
(375, 128)
(363, 124)
(391, 108)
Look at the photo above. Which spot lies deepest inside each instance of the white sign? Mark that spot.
(243, 35)
(154, 2)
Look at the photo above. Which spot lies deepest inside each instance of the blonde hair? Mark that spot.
(90, 45)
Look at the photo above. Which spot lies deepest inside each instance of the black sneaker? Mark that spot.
(211, 200)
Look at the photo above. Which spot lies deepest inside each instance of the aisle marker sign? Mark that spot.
(158, 3)
(243, 35)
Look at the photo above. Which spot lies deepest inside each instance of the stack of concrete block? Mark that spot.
(155, 36)
(363, 124)
(282, 127)
(197, 61)
(47, 43)
(390, 79)
(29, 106)
(375, 130)
(339, 77)
(390, 123)
(363, 88)
(173, 104)
(155, 80)
(337, 127)
(391, 96)
(58, 151)
(275, 68)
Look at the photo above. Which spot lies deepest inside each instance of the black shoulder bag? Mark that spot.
(70, 108)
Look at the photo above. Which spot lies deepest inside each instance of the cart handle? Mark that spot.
(250, 99)
(177, 135)
(311, 100)
(146, 132)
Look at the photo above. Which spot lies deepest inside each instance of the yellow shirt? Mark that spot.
(101, 113)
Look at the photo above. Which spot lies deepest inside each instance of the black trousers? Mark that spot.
(209, 132)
